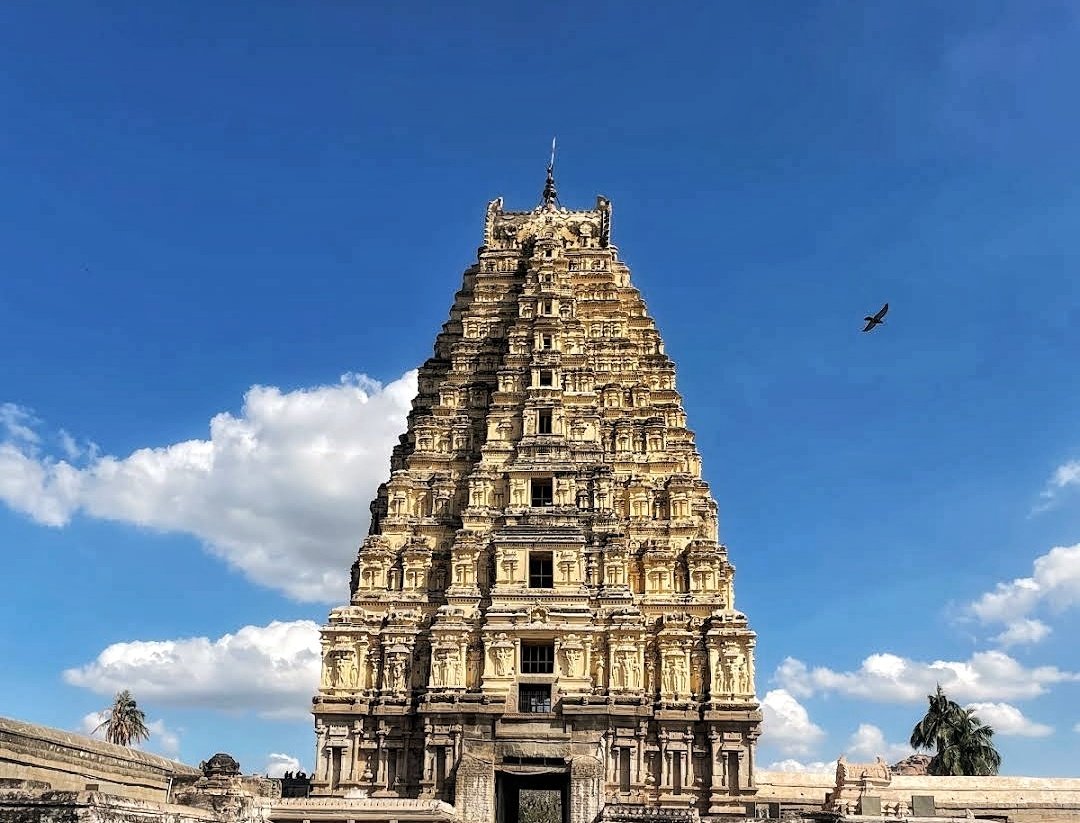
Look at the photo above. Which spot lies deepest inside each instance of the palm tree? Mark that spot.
(963, 744)
(125, 722)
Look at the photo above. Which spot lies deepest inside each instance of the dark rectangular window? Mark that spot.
(541, 570)
(547, 307)
(624, 769)
(543, 493)
(534, 698)
(537, 658)
(543, 421)
(547, 377)
(546, 341)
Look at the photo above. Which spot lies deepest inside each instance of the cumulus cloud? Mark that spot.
(1054, 583)
(814, 767)
(279, 492)
(274, 668)
(277, 764)
(1009, 721)
(787, 724)
(889, 678)
(162, 740)
(868, 741)
(1064, 477)
(1022, 632)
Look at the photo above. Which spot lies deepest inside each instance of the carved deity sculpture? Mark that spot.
(504, 662)
(330, 674)
(395, 671)
(572, 658)
(738, 673)
(345, 670)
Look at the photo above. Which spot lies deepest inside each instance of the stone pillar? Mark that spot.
(665, 765)
(586, 797)
(380, 768)
(475, 799)
(690, 775)
(323, 770)
(354, 752)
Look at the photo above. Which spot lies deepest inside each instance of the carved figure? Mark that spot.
(573, 658)
(504, 661)
(345, 671)
(396, 674)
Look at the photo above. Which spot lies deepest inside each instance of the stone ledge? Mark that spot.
(70, 805)
(370, 809)
(28, 737)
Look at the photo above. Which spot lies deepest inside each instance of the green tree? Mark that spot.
(125, 722)
(963, 745)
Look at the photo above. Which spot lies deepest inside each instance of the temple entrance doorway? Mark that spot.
(532, 798)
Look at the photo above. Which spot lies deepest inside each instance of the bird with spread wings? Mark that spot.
(877, 320)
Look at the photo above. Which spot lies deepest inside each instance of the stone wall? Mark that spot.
(70, 762)
(92, 807)
(1021, 799)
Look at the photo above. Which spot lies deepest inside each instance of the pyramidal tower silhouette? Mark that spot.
(542, 603)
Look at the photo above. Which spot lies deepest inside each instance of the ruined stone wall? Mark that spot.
(68, 761)
(1021, 799)
(92, 807)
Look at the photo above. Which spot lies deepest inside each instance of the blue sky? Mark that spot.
(230, 232)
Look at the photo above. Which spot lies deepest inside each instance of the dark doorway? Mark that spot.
(532, 798)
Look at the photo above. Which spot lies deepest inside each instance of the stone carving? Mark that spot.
(445, 666)
(604, 601)
(502, 657)
(220, 765)
(395, 672)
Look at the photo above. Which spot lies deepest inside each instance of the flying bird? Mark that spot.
(876, 320)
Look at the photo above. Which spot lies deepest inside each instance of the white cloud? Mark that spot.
(1018, 632)
(280, 492)
(1009, 721)
(787, 724)
(888, 678)
(277, 764)
(273, 668)
(1064, 476)
(1076, 728)
(1054, 582)
(162, 740)
(795, 677)
(90, 723)
(789, 765)
(868, 741)
(18, 424)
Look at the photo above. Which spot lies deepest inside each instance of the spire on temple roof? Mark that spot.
(551, 197)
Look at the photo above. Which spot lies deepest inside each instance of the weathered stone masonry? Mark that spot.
(542, 590)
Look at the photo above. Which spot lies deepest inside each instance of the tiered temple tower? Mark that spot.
(542, 601)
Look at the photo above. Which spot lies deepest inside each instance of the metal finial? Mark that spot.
(550, 195)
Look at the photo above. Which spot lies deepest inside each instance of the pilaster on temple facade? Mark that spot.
(542, 596)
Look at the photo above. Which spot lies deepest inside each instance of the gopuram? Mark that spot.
(542, 604)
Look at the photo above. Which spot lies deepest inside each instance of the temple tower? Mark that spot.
(542, 600)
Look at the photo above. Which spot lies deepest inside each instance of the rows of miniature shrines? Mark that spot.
(545, 550)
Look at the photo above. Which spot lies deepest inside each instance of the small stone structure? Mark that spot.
(855, 781)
